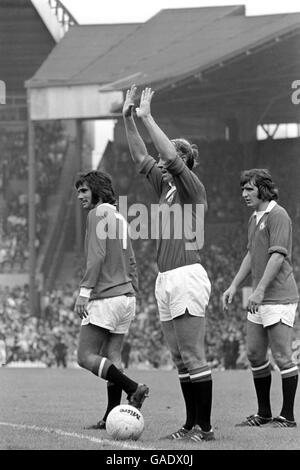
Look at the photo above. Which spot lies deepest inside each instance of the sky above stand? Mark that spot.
(128, 11)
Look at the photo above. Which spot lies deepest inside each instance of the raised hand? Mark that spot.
(144, 109)
(129, 101)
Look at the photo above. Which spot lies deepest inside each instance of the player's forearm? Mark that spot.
(85, 292)
(272, 269)
(138, 149)
(243, 272)
(160, 140)
(90, 278)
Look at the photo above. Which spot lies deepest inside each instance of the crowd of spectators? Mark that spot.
(32, 338)
(50, 148)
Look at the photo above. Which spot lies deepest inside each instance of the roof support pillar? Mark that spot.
(31, 210)
(78, 208)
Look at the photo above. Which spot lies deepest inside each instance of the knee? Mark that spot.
(116, 359)
(83, 360)
(80, 361)
(282, 361)
(177, 359)
(187, 357)
(255, 358)
(192, 358)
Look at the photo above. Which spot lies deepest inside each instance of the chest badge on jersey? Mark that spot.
(170, 198)
(262, 225)
(170, 195)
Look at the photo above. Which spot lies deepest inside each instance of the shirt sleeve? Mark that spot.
(96, 250)
(189, 187)
(133, 274)
(251, 221)
(280, 233)
(153, 174)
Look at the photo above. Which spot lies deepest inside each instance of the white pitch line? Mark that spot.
(73, 434)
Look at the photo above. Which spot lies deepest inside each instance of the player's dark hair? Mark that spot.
(187, 150)
(262, 179)
(100, 185)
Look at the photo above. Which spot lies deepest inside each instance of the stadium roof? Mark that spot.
(170, 47)
(24, 43)
(80, 48)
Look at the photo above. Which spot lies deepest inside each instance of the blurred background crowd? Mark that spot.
(50, 338)
(50, 146)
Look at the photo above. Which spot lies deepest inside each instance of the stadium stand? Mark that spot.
(51, 147)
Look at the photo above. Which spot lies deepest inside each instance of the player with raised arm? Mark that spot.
(106, 301)
(182, 287)
(273, 303)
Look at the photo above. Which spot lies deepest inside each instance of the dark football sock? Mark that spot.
(289, 387)
(114, 395)
(114, 375)
(104, 368)
(262, 387)
(190, 404)
(203, 395)
(262, 381)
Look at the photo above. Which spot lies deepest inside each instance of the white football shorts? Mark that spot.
(270, 314)
(113, 313)
(187, 287)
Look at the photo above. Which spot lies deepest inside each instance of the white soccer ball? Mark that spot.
(125, 422)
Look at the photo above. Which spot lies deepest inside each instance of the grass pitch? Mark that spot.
(48, 409)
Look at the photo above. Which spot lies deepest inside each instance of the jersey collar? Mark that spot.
(171, 190)
(106, 204)
(269, 207)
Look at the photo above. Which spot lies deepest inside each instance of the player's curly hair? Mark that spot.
(100, 184)
(187, 150)
(261, 177)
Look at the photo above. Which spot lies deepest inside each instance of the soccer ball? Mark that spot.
(125, 422)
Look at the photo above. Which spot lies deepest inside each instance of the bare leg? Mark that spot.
(280, 336)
